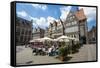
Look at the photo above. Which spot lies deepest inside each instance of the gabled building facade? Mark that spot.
(75, 25)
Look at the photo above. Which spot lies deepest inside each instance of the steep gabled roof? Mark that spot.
(23, 22)
(80, 15)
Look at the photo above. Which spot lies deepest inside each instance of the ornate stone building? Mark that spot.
(23, 31)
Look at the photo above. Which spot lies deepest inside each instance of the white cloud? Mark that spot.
(43, 7)
(37, 22)
(42, 22)
(40, 6)
(90, 12)
(22, 14)
(50, 19)
(64, 12)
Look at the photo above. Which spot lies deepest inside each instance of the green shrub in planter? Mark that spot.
(63, 52)
(75, 48)
(63, 43)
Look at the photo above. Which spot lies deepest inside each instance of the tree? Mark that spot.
(63, 52)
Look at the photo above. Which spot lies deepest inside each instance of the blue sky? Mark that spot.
(35, 11)
(42, 14)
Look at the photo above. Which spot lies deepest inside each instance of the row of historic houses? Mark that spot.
(75, 25)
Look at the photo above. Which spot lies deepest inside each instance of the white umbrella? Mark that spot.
(39, 40)
(36, 40)
(63, 38)
(46, 38)
(32, 40)
(75, 39)
(55, 40)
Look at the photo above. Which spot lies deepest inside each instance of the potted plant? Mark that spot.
(75, 48)
(63, 52)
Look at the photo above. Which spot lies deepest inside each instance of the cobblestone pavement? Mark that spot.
(24, 56)
(86, 53)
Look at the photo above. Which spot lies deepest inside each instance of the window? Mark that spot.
(74, 36)
(70, 18)
(22, 31)
(21, 39)
(75, 22)
(30, 32)
(26, 32)
(66, 24)
(72, 23)
(17, 31)
(73, 17)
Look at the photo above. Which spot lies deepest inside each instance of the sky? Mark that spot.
(43, 14)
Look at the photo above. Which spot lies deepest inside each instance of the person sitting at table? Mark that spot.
(50, 51)
(53, 50)
(43, 51)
